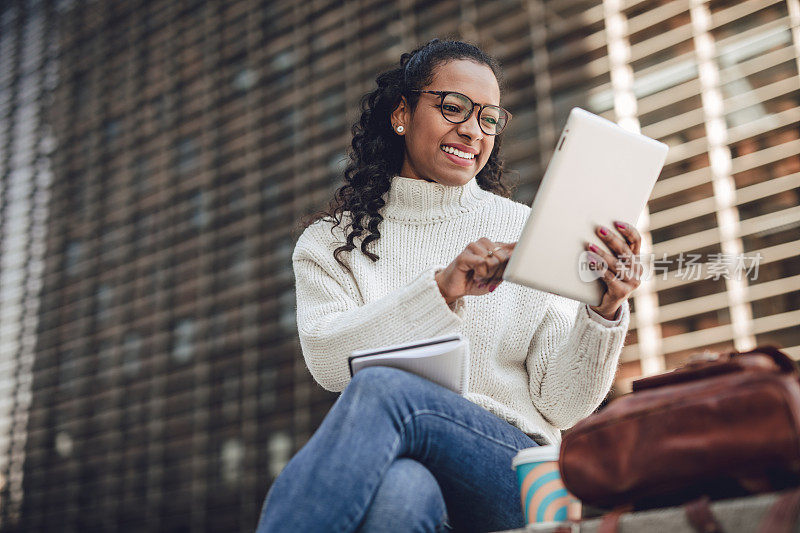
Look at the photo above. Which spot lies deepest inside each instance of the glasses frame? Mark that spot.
(443, 94)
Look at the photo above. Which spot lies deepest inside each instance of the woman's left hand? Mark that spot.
(623, 272)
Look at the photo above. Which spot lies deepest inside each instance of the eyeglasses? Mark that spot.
(457, 108)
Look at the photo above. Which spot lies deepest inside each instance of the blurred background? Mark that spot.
(156, 156)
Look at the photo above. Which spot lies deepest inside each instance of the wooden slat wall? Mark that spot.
(185, 141)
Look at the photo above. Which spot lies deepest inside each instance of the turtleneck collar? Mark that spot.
(415, 200)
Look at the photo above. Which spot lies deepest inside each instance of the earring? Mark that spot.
(400, 129)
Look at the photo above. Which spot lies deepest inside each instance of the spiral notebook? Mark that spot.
(443, 360)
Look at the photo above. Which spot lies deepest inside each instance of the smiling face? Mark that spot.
(435, 147)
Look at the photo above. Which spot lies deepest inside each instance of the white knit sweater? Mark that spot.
(537, 360)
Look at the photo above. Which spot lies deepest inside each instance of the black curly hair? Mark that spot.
(377, 152)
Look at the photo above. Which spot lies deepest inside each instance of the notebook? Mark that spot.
(442, 360)
(599, 172)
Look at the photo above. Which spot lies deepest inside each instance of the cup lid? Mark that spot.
(536, 454)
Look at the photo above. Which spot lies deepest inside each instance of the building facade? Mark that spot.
(156, 157)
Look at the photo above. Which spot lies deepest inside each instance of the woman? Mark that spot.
(424, 196)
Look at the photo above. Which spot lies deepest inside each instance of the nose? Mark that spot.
(470, 127)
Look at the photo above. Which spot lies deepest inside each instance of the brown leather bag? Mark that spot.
(723, 425)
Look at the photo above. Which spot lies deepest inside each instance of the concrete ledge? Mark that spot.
(738, 515)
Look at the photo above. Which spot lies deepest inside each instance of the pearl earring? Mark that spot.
(400, 129)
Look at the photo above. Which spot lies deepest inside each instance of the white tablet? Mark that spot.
(598, 173)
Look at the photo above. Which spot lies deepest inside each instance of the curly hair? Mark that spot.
(376, 154)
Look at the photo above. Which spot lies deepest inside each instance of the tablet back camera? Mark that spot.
(563, 138)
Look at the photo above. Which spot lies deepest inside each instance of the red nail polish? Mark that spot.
(620, 225)
(593, 248)
(603, 232)
(493, 288)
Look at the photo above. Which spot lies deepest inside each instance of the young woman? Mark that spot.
(424, 196)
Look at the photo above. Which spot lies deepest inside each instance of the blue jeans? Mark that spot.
(399, 453)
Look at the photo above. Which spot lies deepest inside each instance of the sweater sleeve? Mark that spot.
(572, 361)
(332, 322)
(602, 320)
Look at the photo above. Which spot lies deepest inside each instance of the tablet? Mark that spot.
(599, 173)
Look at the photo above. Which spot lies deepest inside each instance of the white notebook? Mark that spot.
(443, 360)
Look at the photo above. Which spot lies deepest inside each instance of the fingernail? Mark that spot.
(603, 232)
(593, 248)
(620, 225)
(493, 287)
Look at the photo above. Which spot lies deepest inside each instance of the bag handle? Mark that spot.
(610, 521)
(706, 365)
(786, 363)
(699, 515)
(568, 527)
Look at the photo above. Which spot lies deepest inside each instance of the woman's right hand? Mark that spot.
(475, 271)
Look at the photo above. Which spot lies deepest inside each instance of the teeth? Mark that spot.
(459, 153)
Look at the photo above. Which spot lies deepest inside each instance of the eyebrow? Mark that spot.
(459, 92)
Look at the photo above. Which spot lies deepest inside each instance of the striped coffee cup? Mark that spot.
(544, 498)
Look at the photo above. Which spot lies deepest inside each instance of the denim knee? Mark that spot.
(410, 495)
(380, 376)
(379, 380)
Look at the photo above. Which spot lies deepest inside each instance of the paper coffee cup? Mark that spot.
(544, 498)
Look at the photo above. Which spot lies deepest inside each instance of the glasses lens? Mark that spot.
(456, 107)
(493, 119)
